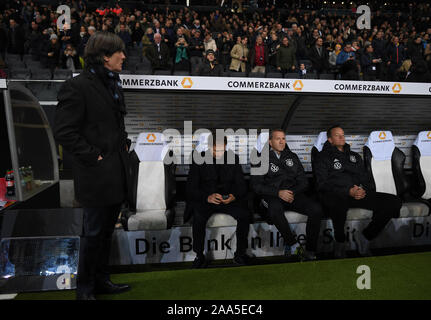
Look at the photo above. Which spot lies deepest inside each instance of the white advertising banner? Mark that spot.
(3, 84)
(175, 245)
(273, 85)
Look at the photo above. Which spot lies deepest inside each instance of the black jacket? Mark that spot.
(206, 70)
(320, 62)
(206, 179)
(368, 67)
(87, 124)
(286, 173)
(338, 171)
(153, 56)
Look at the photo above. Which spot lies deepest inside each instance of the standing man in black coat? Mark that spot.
(282, 188)
(319, 57)
(343, 183)
(158, 54)
(89, 124)
(217, 186)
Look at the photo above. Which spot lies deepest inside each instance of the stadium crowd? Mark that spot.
(304, 42)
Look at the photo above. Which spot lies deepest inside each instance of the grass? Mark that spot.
(403, 276)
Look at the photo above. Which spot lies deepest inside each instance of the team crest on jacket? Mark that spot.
(289, 162)
(353, 159)
(337, 165)
(274, 168)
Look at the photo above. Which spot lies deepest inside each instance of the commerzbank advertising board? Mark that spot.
(273, 85)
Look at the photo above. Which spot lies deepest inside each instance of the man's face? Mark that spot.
(285, 41)
(348, 48)
(115, 62)
(259, 40)
(210, 57)
(418, 40)
(218, 150)
(319, 42)
(278, 141)
(12, 23)
(157, 39)
(244, 41)
(370, 49)
(122, 28)
(337, 138)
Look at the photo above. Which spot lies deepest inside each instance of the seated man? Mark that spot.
(343, 183)
(218, 188)
(210, 68)
(282, 188)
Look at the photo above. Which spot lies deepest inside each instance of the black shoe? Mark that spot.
(308, 256)
(108, 287)
(200, 262)
(85, 296)
(242, 260)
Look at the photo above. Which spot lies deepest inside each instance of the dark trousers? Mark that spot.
(384, 206)
(98, 225)
(203, 211)
(303, 205)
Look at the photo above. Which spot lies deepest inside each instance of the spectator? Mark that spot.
(147, 41)
(274, 45)
(137, 35)
(34, 40)
(286, 60)
(51, 53)
(125, 36)
(196, 45)
(182, 62)
(369, 63)
(209, 43)
(210, 68)
(347, 63)
(258, 56)
(16, 38)
(158, 54)
(416, 49)
(70, 58)
(226, 46)
(239, 54)
(333, 56)
(319, 57)
(302, 72)
(395, 57)
(418, 72)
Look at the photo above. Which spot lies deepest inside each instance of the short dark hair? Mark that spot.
(329, 131)
(271, 133)
(101, 44)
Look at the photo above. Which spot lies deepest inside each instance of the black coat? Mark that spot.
(204, 180)
(87, 125)
(286, 173)
(206, 70)
(153, 56)
(320, 62)
(338, 171)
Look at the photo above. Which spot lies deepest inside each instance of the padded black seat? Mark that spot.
(421, 158)
(385, 163)
(152, 184)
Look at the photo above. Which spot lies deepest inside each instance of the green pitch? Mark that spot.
(404, 276)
